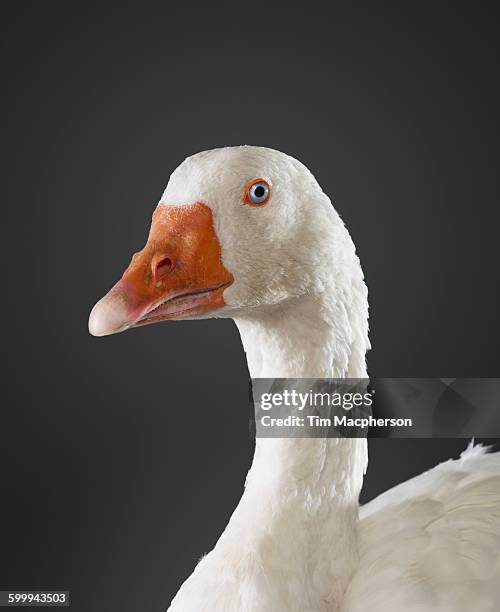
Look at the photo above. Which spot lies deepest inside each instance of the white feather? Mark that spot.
(433, 542)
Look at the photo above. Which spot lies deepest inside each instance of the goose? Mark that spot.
(247, 233)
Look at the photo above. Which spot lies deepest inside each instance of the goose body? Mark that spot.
(247, 233)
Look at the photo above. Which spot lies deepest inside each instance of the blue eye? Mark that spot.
(257, 192)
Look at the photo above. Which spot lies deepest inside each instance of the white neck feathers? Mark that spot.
(299, 510)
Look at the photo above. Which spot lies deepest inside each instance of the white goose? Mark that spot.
(247, 233)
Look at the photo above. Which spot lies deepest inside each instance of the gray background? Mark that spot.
(115, 477)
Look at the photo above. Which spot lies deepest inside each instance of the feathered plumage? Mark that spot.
(432, 544)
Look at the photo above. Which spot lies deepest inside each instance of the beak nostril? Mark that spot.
(162, 267)
(166, 261)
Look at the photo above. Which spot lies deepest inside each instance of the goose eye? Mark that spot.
(257, 192)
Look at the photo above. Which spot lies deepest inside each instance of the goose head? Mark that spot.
(238, 230)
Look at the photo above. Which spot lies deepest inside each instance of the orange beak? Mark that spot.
(179, 273)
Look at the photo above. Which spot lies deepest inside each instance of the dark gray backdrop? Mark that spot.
(115, 479)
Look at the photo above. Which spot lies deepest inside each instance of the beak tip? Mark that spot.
(97, 323)
(107, 317)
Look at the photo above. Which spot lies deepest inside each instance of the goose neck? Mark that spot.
(303, 492)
